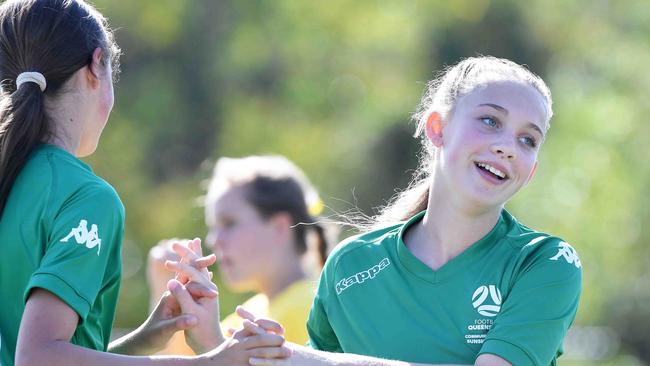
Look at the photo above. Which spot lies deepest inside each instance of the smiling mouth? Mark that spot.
(498, 174)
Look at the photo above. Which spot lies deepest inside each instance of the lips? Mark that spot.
(492, 171)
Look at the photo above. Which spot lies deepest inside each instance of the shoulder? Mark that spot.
(536, 248)
(377, 241)
(72, 182)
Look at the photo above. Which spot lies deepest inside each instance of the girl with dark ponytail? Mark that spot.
(61, 226)
(261, 213)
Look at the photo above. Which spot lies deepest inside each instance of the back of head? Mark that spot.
(54, 38)
(273, 184)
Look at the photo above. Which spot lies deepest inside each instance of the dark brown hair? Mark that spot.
(55, 38)
(273, 184)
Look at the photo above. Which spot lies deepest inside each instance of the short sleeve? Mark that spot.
(319, 329)
(83, 241)
(539, 308)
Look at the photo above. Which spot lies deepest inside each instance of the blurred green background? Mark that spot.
(331, 85)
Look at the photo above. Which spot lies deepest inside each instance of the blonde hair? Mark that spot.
(441, 95)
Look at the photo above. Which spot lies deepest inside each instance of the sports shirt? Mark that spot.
(514, 293)
(61, 230)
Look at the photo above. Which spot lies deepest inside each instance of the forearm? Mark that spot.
(304, 356)
(133, 344)
(63, 353)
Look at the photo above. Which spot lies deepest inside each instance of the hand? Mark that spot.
(207, 333)
(191, 253)
(157, 274)
(239, 351)
(165, 319)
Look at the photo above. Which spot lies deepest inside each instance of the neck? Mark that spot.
(448, 227)
(283, 276)
(67, 113)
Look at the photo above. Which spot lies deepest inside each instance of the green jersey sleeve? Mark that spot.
(319, 329)
(539, 307)
(83, 248)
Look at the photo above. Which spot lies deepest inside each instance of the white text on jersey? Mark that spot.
(360, 277)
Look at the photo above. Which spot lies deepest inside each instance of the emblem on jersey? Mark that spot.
(83, 236)
(487, 300)
(568, 253)
(362, 276)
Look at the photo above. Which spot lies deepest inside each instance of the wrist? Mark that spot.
(206, 344)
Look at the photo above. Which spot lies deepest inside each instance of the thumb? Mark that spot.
(181, 322)
(181, 295)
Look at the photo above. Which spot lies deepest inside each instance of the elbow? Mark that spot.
(30, 356)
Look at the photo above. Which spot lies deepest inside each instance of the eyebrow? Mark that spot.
(505, 111)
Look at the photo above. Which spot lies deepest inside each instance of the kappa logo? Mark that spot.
(568, 253)
(84, 237)
(362, 276)
(480, 300)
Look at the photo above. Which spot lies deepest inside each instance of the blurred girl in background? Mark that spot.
(261, 217)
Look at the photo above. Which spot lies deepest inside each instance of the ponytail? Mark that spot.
(321, 244)
(22, 126)
(54, 38)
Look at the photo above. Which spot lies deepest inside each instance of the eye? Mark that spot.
(528, 141)
(489, 121)
(226, 223)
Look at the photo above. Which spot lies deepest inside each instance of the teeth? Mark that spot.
(492, 169)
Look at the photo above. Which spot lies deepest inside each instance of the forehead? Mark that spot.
(520, 100)
(226, 199)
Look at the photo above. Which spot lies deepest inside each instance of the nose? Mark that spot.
(504, 150)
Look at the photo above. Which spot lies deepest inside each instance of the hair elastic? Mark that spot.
(33, 77)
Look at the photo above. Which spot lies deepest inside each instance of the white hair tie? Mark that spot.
(33, 77)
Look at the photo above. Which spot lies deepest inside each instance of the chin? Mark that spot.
(84, 151)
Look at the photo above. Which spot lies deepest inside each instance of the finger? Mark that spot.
(183, 251)
(241, 334)
(197, 290)
(230, 331)
(262, 340)
(245, 314)
(183, 297)
(187, 270)
(270, 352)
(203, 262)
(256, 361)
(195, 245)
(270, 325)
(252, 327)
(185, 321)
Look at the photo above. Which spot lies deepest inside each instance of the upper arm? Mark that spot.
(46, 319)
(320, 331)
(539, 307)
(488, 359)
(82, 252)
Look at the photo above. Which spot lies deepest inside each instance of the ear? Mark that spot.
(95, 68)
(281, 223)
(433, 129)
(532, 173)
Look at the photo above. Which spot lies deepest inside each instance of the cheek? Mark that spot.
(246, 243)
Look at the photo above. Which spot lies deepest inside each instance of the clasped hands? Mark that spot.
(192, 305)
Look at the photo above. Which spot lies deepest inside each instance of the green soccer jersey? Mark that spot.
(61, 230)
(514, 294)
